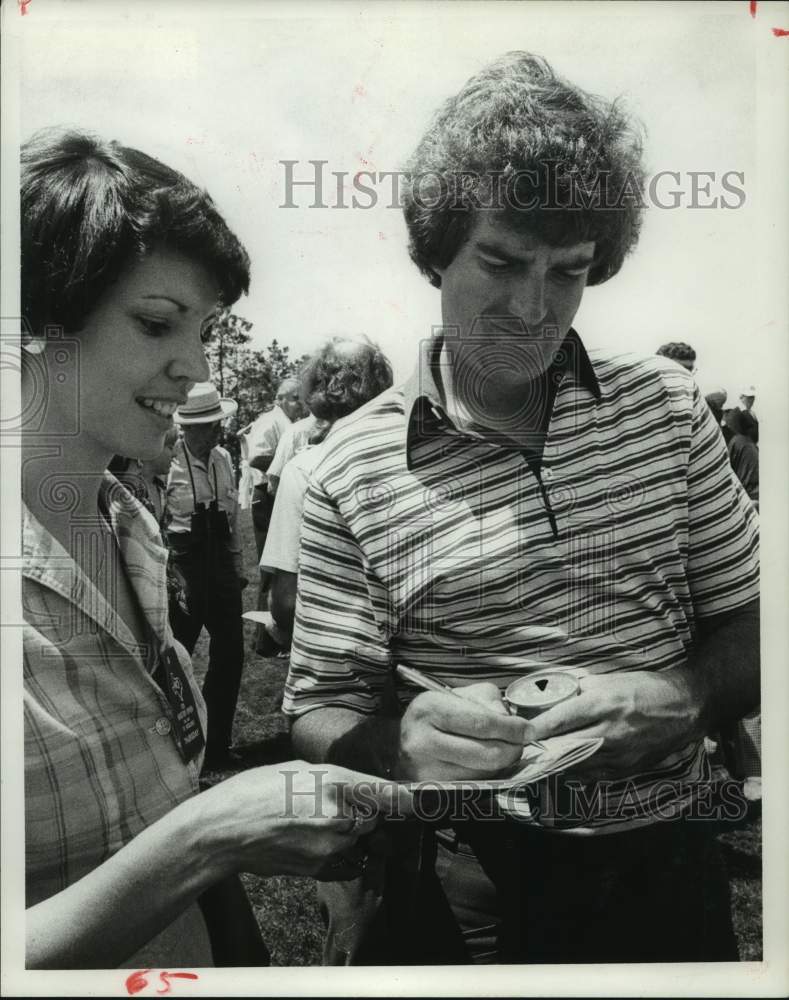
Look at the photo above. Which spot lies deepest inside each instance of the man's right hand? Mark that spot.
(444, 737)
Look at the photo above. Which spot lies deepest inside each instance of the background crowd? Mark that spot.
(195, 491)
(739, 746)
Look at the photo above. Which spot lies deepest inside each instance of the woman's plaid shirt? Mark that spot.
(101, 763)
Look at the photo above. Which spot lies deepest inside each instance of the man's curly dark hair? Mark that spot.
(564, 165)
(677, 350)
(343, 375)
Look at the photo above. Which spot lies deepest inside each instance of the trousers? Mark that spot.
(658, 893)
(262, 509)
(213, 600)
(499, 892)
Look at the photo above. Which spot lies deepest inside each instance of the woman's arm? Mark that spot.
(288, 819)
(105, 917)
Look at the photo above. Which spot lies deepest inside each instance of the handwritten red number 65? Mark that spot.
(138, 980)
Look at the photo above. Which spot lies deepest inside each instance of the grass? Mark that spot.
(287, 909)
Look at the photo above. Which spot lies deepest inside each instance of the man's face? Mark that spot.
(288, 400)
(747, 401)
(201, 438)
(511, 300)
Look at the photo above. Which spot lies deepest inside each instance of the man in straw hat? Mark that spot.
(206, 547)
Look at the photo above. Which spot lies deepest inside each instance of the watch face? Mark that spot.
(528, 696)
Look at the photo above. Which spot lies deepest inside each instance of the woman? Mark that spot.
(124, 263)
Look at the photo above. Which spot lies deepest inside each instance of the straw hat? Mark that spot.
(204, 406)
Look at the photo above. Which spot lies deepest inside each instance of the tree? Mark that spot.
(248, 376)
(228, 334)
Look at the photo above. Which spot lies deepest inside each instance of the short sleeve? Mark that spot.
(281, 550)
(723, 526)
(285, 451)
(263, 436)
(340, 655)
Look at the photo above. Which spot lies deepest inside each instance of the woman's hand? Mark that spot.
(295, 819)
(292, 819)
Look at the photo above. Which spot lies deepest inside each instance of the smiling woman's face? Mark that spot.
(140, 352)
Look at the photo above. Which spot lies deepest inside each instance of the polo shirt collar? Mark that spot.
(425, 397)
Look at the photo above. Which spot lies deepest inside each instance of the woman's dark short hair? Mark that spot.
(561, 164)
(91, 207)
(344, 375)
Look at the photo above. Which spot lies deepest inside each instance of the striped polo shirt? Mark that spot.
(426, 544)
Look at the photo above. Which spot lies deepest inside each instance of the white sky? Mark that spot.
(224, 92)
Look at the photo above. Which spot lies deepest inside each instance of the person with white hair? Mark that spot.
(747, 400)
(259, 441)
(748, 397)
(338, 379)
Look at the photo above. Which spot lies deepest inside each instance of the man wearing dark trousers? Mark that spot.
(206, 547)
(521, 504)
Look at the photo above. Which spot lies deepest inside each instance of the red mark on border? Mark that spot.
(23, 5)
(167, 976)
(137, 981)
(778, 32)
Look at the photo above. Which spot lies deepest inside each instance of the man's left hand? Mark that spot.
(642, 717)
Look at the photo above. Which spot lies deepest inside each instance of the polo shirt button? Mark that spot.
(547, 474)
(162, 726)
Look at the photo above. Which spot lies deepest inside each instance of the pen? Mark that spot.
(420, 680)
